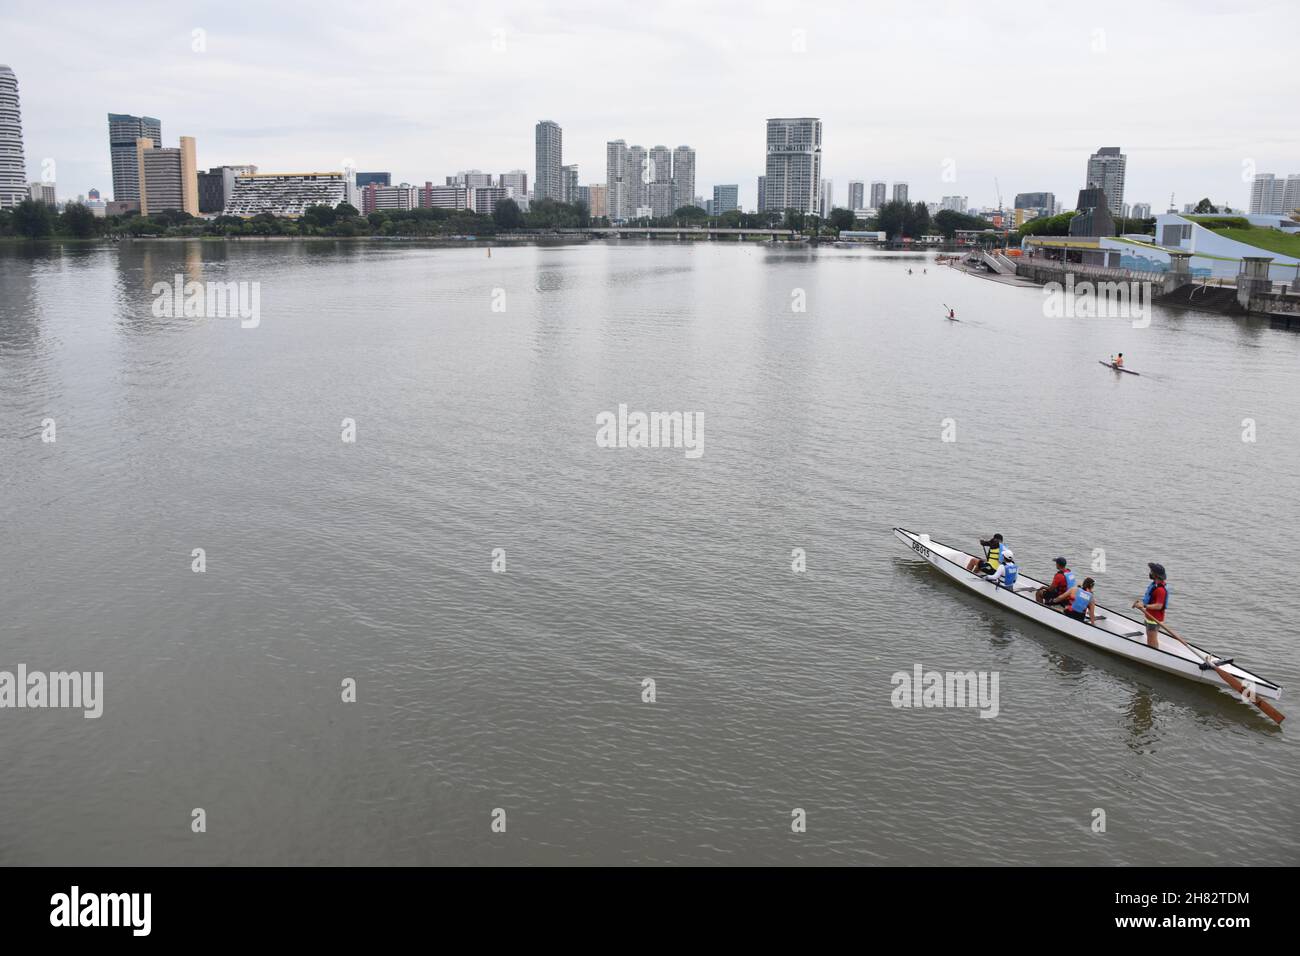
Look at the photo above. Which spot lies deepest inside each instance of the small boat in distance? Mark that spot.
(1118, 368)
(1112, 631)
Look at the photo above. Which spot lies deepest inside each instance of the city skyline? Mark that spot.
(289, 107)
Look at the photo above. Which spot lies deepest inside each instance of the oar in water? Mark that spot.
(1231, 681)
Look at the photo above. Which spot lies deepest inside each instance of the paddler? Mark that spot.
(952, 313)
(1117, 360)
(1006, 573)
(1154, 602)
(1079, 602)
(992, 556)
(1062, 581)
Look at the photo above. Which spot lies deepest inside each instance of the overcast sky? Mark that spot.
(1020, 92)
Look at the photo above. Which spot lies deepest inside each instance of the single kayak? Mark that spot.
(1113, 631)
(1118, 368)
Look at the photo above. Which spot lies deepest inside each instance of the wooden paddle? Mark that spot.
(1231, 681)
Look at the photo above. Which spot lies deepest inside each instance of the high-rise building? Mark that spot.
(471, 179)
(636, 182)
(168, 176)
(954, 204)
(1106, 172)
(725, 199)
(900, 192)
(1141, 210)
(878, 195)
(1262, 191)
(517, 180)
(212, 191)
(762, 194)
(13, 162)
(123, 132)
(683, 177)
(857, 193)
(794, 164)
(42, 192)
(827, 197)
(549, 181)
(1291, 195)
(379, 179)
(1276, 197)
(1044, 203)
(615, 186)
(599, 193)
(659, 185)
(569, 181)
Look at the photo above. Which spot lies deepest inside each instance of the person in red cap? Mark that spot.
(1154, 603)
(1062, 581)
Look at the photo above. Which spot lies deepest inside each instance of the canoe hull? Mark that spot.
(1116, 633)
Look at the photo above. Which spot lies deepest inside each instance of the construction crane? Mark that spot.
(998, 187)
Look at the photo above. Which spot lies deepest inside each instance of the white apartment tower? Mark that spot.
(13, 165)
(794, 164)
(549, 181)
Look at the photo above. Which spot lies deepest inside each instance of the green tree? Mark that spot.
(507, 214)
(948, 221)
(78, 220)
(32, 219)
(842, 219)
(1205, 206)
(345, 210)
(794, 219)
(1049, 225)
(322, 216)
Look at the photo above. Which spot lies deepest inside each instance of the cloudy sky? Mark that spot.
(948, 96)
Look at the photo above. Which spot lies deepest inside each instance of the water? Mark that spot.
(522, 691)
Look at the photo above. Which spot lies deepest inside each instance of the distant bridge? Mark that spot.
(685, 232)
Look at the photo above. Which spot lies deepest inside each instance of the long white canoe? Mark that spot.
(1113, 631)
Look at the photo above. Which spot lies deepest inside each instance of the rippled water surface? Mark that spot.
(523, 690)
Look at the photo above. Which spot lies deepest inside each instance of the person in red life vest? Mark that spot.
(992, 556)
(1154, 603)
(1062, 581)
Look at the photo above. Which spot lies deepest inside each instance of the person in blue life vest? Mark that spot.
(1062, 581)
(992, 556)
(1006, 572)
(1079, 602)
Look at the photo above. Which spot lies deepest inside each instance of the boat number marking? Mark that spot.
(920, 549)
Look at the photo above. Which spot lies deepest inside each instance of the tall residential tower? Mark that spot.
(13, 165)
(794, 164)
(1106, 172)
(549, 181)
(123, 131)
